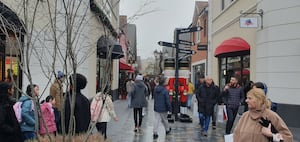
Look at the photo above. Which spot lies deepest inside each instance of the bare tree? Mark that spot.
(52, 34)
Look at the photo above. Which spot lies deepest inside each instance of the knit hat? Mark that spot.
(60, 74)
(139, 77)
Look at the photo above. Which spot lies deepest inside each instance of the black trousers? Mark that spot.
(101, 127)
(138, 115)
(231, 114)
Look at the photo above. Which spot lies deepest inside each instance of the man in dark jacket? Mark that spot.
(162, 105)
(206, 96)
(10, 130)
(234, 97)
(138, 101)
(82, 105)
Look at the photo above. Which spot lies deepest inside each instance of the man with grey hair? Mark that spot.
(206, 96)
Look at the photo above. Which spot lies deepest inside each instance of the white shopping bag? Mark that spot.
(222, 113)
(228, 138)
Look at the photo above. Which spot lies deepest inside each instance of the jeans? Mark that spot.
(189, 100)
(204, 121)
(28, 135)
(231, 114)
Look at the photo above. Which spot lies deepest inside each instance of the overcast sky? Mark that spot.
(158, 25)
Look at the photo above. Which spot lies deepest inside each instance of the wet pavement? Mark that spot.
(122, 131)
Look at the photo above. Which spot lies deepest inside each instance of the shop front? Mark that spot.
(234, 60)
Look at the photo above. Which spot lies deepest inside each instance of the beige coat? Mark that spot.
(107, 111)
(56, 90)
(248, 128)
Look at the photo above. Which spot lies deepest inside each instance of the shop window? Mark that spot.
(238, 67)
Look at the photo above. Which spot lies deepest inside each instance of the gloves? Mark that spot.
(264, 122)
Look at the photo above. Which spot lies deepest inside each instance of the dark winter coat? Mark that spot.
(161, 100)
(138, 95)
(10, 130)
(81, 113)
(207, 98)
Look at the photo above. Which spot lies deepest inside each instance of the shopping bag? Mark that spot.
(228, 138)
(195, 109)
(224, 113)
(220, 114)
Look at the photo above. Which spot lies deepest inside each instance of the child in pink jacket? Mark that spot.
(49, 117)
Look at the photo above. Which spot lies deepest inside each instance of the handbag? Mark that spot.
(222, 113)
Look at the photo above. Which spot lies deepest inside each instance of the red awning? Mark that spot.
(123, 66)
(235, 46)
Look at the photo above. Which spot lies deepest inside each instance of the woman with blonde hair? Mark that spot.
(255, 124)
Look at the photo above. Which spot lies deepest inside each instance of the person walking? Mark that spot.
(102, 110)
(138, 101)
(190, 94)
(206, 96)
(82, 113)
(10, 130)
(48, 116)
(162, 106)
(129, 84)
(27, 112)
(56, 91)
(234, 96)
(255, 124)
(200, 82)
(218, 102)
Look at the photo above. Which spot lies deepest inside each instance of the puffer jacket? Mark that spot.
(27, 114)
(161, 100)
(49, 117)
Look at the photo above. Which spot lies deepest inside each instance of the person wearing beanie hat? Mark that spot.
(9, 125)
(138, 101)
(57, 91)
(139, 77)
(82, 105)
(255, 124)
(264, 87)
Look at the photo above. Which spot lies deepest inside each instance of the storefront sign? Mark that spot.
(248, 22)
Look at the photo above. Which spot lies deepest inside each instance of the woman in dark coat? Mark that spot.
(10, 130)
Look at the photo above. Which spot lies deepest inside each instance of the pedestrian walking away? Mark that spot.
(138, 101)
(206, 96)
(162, 106)
(256, 124)
(129, 84)
(190, 93)
(233, 97)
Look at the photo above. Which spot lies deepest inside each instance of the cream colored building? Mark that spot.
(274, 48)
(93, 26)
(224, 22)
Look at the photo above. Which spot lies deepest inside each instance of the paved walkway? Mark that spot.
(122, 131)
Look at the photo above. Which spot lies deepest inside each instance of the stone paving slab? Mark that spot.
(122, 131)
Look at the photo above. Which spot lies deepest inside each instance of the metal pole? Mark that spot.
(176, 109)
